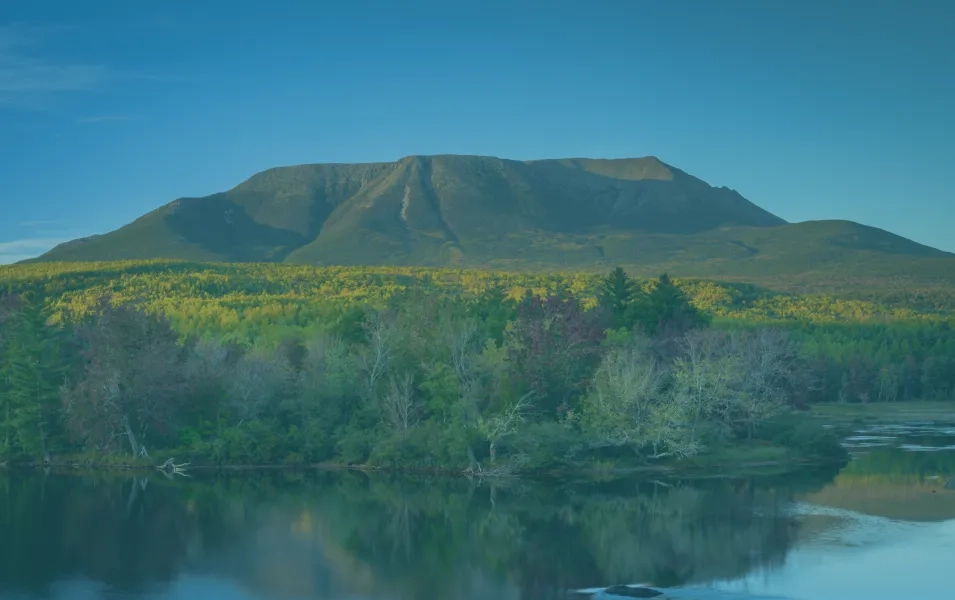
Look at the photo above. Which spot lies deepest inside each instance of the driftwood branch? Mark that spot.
(170, 468)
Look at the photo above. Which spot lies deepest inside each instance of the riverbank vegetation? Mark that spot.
(416, 369)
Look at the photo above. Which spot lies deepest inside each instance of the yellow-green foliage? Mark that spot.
(229, 298)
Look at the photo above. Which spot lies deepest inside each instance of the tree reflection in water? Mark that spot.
(284, 535)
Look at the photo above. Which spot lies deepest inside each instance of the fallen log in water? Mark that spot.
(170, 468)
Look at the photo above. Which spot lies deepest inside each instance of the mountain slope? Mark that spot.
(485, 211)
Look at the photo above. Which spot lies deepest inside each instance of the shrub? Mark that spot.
(803, 435)
(430, 446)
(545, 445)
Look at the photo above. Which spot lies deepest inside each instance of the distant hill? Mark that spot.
(488, 212)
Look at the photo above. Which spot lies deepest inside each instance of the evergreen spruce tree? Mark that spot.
(32, 371)
(667, 312)
(617, 295)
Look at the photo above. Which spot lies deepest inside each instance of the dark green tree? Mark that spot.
(8, 311)
(33, 370)
(666, 312)
(617, 295)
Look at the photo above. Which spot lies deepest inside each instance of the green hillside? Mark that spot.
(483, 212)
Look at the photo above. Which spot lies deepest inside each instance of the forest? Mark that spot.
(474, 371)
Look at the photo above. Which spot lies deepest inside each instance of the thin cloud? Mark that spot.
(104, 119)
(25, 75)
(39, 223)
(28, 79)
(19, 35)
(17, 250)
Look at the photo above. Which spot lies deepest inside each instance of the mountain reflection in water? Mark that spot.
(281, 535)
(324, 535)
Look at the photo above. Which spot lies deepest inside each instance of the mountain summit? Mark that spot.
(485, 211)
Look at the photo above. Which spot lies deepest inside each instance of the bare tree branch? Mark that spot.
(399, 406)
(375, 357)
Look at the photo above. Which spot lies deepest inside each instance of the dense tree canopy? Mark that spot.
(432, 368)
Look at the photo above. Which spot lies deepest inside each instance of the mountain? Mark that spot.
(488, 212)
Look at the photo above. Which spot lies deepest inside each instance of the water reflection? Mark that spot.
(883, 529)
(349, 535)
(323, 535)
(904, 478)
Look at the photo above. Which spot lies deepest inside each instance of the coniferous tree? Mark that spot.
(666, 311)
(8, 308)
(617, 295)
(33, 370)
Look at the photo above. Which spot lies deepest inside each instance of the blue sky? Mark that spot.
(811, 109)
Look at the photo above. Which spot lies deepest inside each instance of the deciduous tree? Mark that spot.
(504, 423)
(627, 388)
(377, 353)
(553, 348)
(132, 381)
(400, 408)
(770, 372)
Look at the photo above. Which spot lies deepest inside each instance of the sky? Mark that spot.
(810, 109)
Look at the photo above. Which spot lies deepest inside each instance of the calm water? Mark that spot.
(883, 528)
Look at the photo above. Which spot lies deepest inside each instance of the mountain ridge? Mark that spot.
(460, 210)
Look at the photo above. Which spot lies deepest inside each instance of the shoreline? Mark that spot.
(695, 469)
(847, 415)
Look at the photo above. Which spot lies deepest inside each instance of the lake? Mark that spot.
(882, 528)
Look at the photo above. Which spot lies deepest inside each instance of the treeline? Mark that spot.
(243, 299)
(866, 362)
(425, 381)
(880, 363)
(901, 348)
